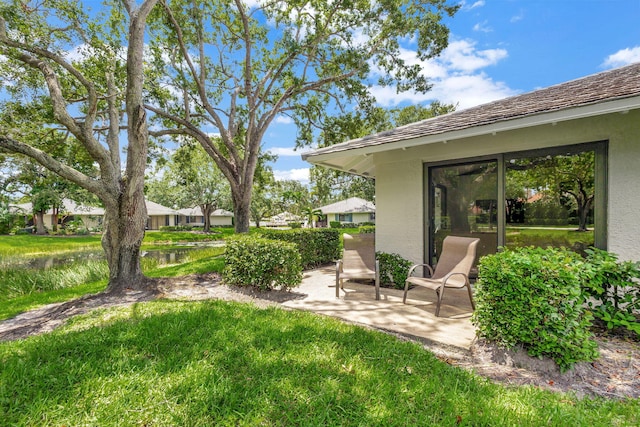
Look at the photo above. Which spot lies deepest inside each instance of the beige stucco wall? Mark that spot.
(399, 178)
(221, 220)
(624, 189)
(356, 218)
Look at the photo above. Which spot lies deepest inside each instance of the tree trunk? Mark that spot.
(126, 213)
(206, 209)
(124, 223)
(583, 213)
(241, 207)
(39, 220)
(54, 219)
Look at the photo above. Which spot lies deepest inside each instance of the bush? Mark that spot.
(364, 229)
(317, 246)
(393, 269)
(262, 263)
(613, 290)
(176, 228)
(335, 224)
(295, 224)
(533, 297)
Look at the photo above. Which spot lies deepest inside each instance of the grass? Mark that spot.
(29, 245)
(28, 290)
(223, 363)
(18, 281)
(570, 238)
(32, 246)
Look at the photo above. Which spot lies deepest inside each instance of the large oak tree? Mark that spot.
(70, 69)
(228, 69)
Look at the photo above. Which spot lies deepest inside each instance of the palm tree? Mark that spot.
(312, 215)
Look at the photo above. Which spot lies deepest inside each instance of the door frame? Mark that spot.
(600, 148)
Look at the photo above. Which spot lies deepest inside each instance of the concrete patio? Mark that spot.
(416, 318)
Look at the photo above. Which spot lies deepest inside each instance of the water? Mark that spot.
(163, 256)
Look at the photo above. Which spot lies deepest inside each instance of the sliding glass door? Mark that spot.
(464, 202)
(549, 197)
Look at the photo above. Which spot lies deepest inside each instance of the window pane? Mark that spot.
(464, 203)
(549, 200)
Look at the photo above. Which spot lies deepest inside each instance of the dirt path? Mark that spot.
(616, 374)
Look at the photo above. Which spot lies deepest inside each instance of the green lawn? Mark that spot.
(28, 245)
(169, 363)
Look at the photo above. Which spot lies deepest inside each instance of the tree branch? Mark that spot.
(12, 146)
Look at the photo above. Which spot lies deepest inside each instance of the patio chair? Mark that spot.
(452, 269)
(358, 261)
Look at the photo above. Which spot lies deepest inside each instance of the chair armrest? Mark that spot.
(412, 269)
(448, 276)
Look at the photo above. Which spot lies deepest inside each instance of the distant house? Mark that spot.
(449, 175)
(160, 216)
(91, 216)
(194, 217)
(350, 211)
(283, 219)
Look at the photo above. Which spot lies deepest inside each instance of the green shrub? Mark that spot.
(533, 297)
(176, 228)
(365, 229)
(335, 224)
(295, 224)
(613, 289)
(317, 246)
(393, 269)
(262, 263)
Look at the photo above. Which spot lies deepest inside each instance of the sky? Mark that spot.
(502, 48)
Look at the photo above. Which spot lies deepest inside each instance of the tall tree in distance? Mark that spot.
(230, 68)
(191, 179)
(328, 184)
(70, 73)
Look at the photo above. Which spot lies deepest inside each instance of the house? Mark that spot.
(160, 216)
(283, 219)
(350, 211)
(91, 216)
(449, 174)
(194, 217)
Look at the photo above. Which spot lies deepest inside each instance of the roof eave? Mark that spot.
(362, 164)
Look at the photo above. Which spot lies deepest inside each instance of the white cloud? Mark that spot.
(516, 18)
(283, 120)
(284, 151)
(301, 175)
(622, 57)
(462, 55)
(483, 27)
(456, 75)
(474, 5)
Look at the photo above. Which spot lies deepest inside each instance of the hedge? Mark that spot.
(533, 297)
(262, 263)
(317, 246)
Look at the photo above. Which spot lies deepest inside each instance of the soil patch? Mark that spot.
(616, 374)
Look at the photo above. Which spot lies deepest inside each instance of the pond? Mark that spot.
(163, 256)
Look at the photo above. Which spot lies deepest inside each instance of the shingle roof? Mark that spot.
(352, 205)
(610, 85)
(154, 208)
(69, 207)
